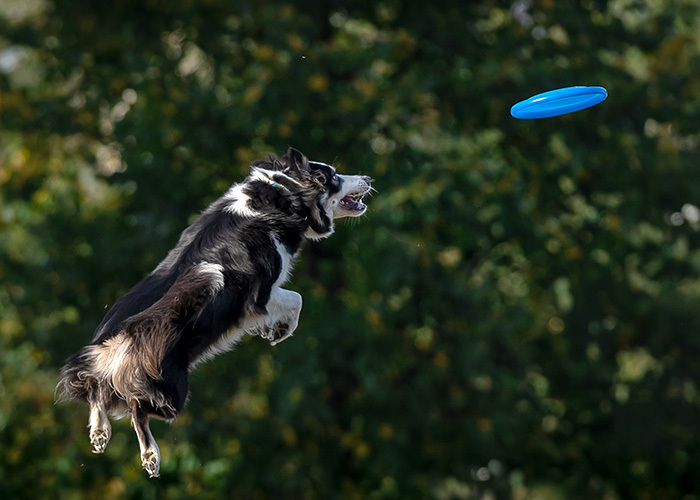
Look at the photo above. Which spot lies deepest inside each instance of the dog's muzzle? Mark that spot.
(352, 203)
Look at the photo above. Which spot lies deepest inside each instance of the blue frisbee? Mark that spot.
(558, 102)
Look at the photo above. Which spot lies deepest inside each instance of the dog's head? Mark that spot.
(321, 194)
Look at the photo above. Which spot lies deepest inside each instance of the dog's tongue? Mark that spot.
(348, 202)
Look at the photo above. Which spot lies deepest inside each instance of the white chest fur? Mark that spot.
(287, 263)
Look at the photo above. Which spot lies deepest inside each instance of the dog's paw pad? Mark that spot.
(150, 461)
(280, 332)
(99, 439)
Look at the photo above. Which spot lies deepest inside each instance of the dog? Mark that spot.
(222, 280)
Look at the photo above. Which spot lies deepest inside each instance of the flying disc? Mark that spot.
(558, 102)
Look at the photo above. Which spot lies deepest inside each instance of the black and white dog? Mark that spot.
(221, 281)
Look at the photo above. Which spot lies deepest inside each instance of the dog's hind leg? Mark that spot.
(100, 428)
(150, 453)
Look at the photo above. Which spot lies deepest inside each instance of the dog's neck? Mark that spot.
(278, 185)
(274, 177)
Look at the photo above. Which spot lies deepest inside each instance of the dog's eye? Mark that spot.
(335, 178)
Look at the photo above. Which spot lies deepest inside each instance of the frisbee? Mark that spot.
(558, 102)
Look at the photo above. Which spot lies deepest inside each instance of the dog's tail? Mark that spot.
(74, 374)
(126, 362)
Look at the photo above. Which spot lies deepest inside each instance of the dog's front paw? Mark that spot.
(277, 333)
(150, 461)
(99, 439)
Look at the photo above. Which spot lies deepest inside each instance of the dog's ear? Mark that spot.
(319, 221)
(295, 160)
(271, 163)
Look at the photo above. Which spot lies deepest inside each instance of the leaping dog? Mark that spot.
(222, 280)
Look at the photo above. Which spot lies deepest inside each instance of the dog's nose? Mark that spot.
(367, 179)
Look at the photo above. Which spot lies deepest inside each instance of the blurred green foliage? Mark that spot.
(517, 316)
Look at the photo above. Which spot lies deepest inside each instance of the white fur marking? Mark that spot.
(100, 428)
(108, 357)
(264, 175)
(116, 364)
(225, 343)
(98, 418)
(238, 202)
(287, 260)
(215, 272)
(150, 455)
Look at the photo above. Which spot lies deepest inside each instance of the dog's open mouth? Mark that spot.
(350, 204)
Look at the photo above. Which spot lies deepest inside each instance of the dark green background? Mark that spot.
(516, 317)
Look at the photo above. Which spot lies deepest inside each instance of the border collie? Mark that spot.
(222, 280)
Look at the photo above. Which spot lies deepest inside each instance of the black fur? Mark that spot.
(221, 280)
